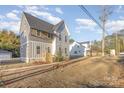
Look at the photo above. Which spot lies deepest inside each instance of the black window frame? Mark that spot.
(38, 49)
(75, 52)
(60, 38)
(65, 38)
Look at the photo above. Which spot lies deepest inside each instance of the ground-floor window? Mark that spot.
(65, 50)
(60, 50)
(75, 52)
(38, 49)
(48, 49)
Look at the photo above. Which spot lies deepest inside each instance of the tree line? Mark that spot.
(110, 43)
(10, 41)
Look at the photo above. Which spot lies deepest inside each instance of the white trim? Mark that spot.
(24, 43)
(66, 27)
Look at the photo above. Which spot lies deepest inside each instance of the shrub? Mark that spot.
(59, 57)
(48, 57)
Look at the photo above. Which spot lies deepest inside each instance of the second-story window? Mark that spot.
(49, 35)
(65, 50)
(65, 38)
(38, 33)
(34, 32)
(48, 49)
(60, 38)
(60, 51)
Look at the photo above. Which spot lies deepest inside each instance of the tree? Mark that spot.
(71, 40)
(96, 47)
(10, 41)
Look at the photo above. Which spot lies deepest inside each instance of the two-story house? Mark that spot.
(38, 37)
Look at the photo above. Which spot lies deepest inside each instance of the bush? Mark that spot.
(59, 57)
(48, 57)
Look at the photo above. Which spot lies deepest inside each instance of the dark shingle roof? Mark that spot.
(38, 24)
(59, 26)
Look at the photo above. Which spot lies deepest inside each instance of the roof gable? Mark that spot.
(39, 24)
(42, 25)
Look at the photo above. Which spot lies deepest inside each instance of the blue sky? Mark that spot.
(80, 25)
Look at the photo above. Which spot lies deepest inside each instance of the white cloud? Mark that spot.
(88, 25)
(119, 9)
(115, 25)
(15, 11)
(85, 22)
(58, 10)
(12, 25)
(84, 25)
(1, 17)
(121, 17)
(44, 7)
(77, 31)
(12, 15)
(20, 6)
(36, 11)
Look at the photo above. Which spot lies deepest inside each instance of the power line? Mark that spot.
(91, 17)
(102, 27)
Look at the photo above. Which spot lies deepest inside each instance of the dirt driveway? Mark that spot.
(92, 72)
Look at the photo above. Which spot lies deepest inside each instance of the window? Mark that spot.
(38, 33)
(78, 46)
(38, 49)
(33, 32)
(60, 50)
(65, 38)
(48, 49)
(75, 52)
(60, 37)
(49, 35)
(65, 50)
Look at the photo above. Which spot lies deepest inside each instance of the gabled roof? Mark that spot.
(37, 23)
(76, 43)
(42, 25)
(59, 25)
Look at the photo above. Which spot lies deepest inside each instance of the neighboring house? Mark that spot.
(87, 46)
(76, 50)
(4, 54)
(39, 37)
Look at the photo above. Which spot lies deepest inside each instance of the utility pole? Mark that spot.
(103, 18)
(103, 37)
(117, 50)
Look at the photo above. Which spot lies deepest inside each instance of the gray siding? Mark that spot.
(24, 32)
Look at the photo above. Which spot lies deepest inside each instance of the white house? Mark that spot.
(4, 54)
(87, 45)
(76, 50)
(39, 38)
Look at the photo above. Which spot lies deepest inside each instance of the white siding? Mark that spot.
(5, 56)
(32, 51)
(62, 43)
(76, 50)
